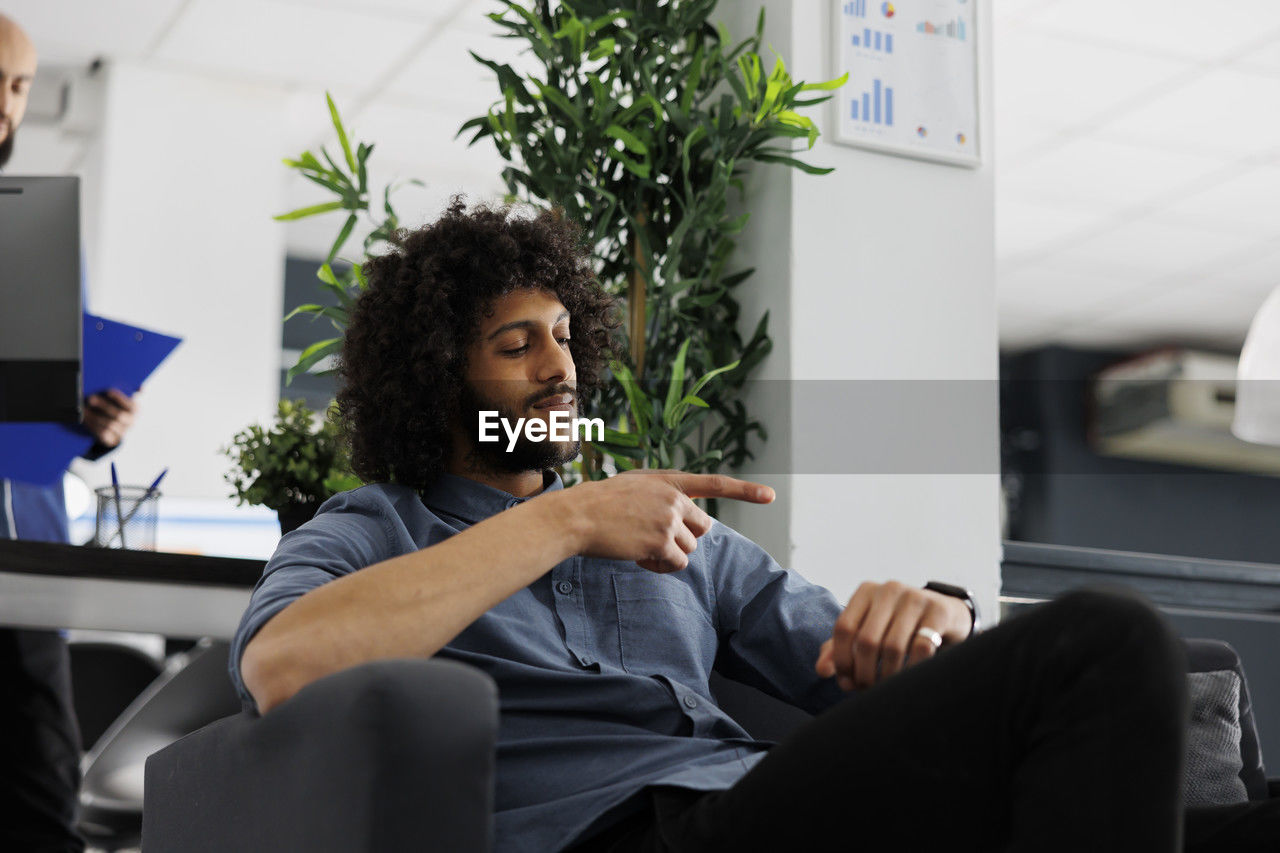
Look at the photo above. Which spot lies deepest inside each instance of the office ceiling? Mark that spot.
(1138, 169)
(1137, 143)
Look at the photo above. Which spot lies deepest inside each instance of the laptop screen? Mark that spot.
(40, 310)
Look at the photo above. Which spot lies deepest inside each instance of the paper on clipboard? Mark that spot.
(116, 355)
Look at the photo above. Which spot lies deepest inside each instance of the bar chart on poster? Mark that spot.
(912, 86)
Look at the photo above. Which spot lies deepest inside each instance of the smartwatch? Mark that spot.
(965, 596)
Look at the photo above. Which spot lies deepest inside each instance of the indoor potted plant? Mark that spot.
(292, 466)
(640, 122)
(302, 459)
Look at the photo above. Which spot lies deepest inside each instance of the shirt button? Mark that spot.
(690, 702)
(512, 503)
(565, 587)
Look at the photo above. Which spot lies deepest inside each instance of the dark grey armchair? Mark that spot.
(398, 755)
(379, 757)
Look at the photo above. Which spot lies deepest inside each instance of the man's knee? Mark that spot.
(1115, 620)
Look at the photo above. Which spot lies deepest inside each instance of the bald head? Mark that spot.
(17, 68)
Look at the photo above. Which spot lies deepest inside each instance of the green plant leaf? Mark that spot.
(793, 162)
(628, 139)
(826, 85)
(362, 157)
(638, 400)
(325, 181)
(675, 388)
(707, 377)
(337, 315)
(342, 133)
(562, 103)
(640, 170)
(311, 210)
(341, 238)
(603, 49)
(309, 161)
(313, 355)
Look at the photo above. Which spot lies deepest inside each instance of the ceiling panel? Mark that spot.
(424, 11)
(1064, 80)
(1156, 115)
(1023, 227)
(1146, 250)
(1179, 28)
(1189, 313)
(1226, 111)
(1105, 173)
(1265, 59)
(424, 140)
(75, 32)
(1060, 296)
(445, 73)
(279, 42)
(1254, 276)
(1247, 203)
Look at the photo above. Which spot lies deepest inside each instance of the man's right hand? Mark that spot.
(650, 516)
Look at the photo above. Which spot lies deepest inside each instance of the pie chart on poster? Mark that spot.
(887, 9)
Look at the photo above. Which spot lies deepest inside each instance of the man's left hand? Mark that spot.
(879, 633)
(109, 415)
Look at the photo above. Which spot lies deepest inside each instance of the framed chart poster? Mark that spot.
(913, 78)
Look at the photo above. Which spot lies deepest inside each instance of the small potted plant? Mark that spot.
(291, 467)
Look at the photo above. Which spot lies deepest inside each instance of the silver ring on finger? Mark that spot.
(934, 638)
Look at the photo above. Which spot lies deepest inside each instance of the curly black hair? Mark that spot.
(405, 349)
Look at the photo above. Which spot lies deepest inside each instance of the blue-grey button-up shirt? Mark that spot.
(602, 667)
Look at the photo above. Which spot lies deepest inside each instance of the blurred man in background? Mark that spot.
(39, 739)
(17, 70)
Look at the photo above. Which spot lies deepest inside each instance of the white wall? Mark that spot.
(854, 296)
(182, 184)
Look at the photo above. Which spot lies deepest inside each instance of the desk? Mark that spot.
(44, 585)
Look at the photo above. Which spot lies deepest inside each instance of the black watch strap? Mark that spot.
(962, 594)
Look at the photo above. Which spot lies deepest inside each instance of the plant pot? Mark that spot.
(294, 516)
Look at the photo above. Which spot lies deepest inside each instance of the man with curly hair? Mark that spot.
(601, 610)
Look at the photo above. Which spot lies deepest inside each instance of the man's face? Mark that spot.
(520, 366)
(17, 68)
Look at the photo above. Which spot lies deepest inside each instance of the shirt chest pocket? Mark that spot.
(663, 629)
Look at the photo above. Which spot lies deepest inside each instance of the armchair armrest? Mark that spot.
(387, 756)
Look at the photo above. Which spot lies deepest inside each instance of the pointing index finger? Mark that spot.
(720, 486)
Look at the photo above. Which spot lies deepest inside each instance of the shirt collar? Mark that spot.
(472, 501)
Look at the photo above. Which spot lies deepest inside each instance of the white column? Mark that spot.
(882, 270)
(185, 178)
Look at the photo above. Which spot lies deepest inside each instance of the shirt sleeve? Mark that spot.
(347, 534)
(772, 622)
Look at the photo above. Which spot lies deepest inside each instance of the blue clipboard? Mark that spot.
(116, 355)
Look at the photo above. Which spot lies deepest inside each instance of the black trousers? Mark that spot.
(1059, 730)
(39, 745)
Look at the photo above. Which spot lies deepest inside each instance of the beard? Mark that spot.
(526, 455)
(6, 147)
